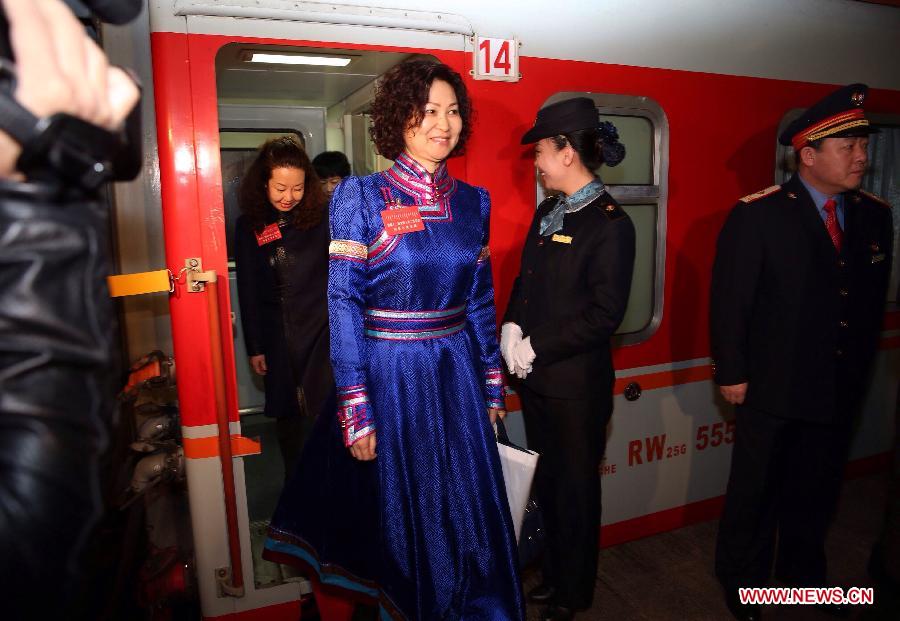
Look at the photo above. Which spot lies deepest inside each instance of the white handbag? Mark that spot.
(518, 466)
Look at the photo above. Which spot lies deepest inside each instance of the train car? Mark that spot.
(699, 91)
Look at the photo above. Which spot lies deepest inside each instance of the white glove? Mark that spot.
(510, 336)
(523, 357)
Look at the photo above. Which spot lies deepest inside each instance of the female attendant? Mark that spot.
(419, 522)
(566, 304)
(281, 242)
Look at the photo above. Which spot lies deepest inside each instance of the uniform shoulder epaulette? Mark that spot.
(761, 194)
(875, 198)
(610, 208)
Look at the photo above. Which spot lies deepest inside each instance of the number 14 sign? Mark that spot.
(496, 59)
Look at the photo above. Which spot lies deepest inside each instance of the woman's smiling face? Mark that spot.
(436, 136)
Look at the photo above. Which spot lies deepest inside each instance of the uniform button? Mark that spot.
(844, 324)
(842, 263)
(525, 301)
(540, 242)
(844, 292)
(838, 353)
(530, 272)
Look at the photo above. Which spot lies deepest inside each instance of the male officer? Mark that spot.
(798, 293)
(566, 304)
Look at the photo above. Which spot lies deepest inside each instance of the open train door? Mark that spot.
(215, 104)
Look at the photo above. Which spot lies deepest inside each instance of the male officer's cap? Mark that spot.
(563, 117)
(838, 115)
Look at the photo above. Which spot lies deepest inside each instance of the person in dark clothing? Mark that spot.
(568, 300)
(331, 166)
(281, 256)
(798, 293)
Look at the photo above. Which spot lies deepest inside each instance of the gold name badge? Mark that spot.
(563, 239)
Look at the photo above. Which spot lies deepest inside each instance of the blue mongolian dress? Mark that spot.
(425, 528)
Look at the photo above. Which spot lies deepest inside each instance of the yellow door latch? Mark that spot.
(157, 281)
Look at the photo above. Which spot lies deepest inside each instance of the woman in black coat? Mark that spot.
(566, 304)
(281, 256)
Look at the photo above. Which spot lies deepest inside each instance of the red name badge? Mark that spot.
(402, 220)
(268, 234)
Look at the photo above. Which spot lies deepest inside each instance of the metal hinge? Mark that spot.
(195, 277)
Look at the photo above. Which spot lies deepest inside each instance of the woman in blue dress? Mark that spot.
(415, 514)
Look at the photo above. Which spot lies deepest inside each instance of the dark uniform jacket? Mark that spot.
(790, 315)
(570, 296)
(282, 291)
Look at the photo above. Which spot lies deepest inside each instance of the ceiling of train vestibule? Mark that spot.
(238, 79)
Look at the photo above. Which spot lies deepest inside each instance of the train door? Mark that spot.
(325, 108)
(215, 105)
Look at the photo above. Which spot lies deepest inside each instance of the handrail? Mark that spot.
(236, 586)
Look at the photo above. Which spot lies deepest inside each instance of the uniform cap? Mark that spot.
(838, 115)
(563, 117)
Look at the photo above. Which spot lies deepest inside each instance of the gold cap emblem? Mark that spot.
(857, 98)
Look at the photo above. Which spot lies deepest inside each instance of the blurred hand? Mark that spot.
(735, 393)
(495, 413)
(258, 364)
(523, 357)
(61, 70)
(364, 448)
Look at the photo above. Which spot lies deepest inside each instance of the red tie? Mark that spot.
(831, 224)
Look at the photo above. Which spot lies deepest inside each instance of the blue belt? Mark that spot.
(396, 325)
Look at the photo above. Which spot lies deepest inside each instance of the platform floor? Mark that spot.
(669, 577)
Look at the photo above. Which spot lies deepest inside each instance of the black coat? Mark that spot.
(282, 291)
(570, 297)
(791, 316)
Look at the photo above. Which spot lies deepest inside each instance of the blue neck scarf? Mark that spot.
(553, 221)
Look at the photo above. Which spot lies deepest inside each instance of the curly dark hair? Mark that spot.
(281, 152)
(400, 99)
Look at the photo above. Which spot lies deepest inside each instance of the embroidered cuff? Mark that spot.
(346, 249)
(354, 413)
(493, 382)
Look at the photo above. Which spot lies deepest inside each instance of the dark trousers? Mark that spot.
(785, 479)
(887, 549)
(570, 435)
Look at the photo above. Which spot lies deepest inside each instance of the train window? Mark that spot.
(882, 177)
(640, 184)
(637, 167)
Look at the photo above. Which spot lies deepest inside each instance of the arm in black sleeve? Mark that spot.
(246, 253)
(513, 312)
(735, 275)
(609, 283)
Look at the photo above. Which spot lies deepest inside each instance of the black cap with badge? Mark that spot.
(838, 115)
